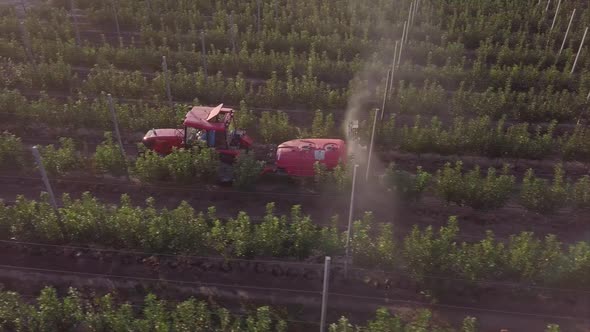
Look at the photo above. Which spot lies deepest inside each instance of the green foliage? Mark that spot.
(108, 157)
(322, 126)
(181, 165)
(149, 166)
(576, 145)
(274, 127)
(246, 170)
(407, 186)
(245, 119)
(552, 328)
(537, 195)
(483, 259)
(471, 189)
(337, 179)
(523, 258)
(426, 254)
(61, 160)
(532, 259)
(93, 313)
(469, 324)
(11, 151)
(580, 194)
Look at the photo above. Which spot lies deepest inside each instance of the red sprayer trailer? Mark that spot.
(212, 126)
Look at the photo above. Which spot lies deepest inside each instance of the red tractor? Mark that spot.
(211, 125)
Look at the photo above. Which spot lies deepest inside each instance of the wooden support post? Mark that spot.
(39, 162)
(258, 16)
(204, 55)
(117, 132)
(232, 32)
(167, 80)
(75, 20)
(26, 41)
(115, 15)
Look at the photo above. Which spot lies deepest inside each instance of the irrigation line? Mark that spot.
(285, 290)
(143, 185)
(316, 265)
(450, 306)
(182, 282)
(223, 259)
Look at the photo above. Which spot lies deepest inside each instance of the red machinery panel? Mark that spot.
(297, 157)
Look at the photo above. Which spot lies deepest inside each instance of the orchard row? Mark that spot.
(477, 136)
(78, 312)
(451, 183)
(420, 254)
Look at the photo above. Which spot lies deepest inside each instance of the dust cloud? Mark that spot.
(367, 91)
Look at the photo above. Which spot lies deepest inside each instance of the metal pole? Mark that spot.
(579, 50)
(117, 132)
(325, 293)
(404, 32)
(547, 7)
(399, 57)
(393, 67)
(385, 94)
(116, 19)
(588, 96)
(415, 10)
(410, 14)
(26, 43)
(350, 214)
(371, 146)
(258, 15)
(44, 176)
(232, 32)
(204, 54)
(75, 19)
(567, 31)
(166, 79)
(555, 16)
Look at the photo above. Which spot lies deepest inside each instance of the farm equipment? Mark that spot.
(211, 126)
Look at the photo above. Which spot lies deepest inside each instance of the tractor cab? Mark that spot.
(202, 125)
